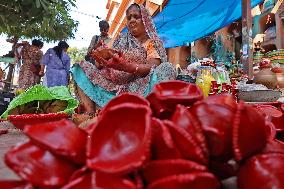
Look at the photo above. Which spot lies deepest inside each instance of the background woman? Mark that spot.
(144, 64)
(29, 71)
(57, 64)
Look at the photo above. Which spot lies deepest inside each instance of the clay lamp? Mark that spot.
(125, 98)
(274, 114)
(227, 100)
(277, 70)
(265, 63)
(120, 142)
(274, 146)
(159, 169)
(15, 184)
(186, 144)
(91, 180)
(39, 167)
(167, 95)
(234, 82)
(214, 88)
(249, 132)
(163, 145)
(225, 88)
(185, 119)
(63, 138)
(217, 127)
(262, 171)
(196, 180)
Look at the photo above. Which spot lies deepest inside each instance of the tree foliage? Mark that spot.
(49, 20)
(77, 54)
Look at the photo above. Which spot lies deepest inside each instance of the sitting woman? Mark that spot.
(144, 64)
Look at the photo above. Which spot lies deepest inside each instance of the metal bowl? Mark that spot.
(260, 95)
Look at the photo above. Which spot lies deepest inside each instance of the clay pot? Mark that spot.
(280, 76)
(266, 77)
(280, 79)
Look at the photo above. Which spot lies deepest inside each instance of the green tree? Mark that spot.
(49, 20)
(77, 54)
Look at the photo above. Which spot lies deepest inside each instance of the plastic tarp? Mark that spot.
(184, 21)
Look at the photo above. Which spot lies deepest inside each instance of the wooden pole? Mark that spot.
(247, 42)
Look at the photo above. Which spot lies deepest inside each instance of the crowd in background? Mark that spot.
(51, 68)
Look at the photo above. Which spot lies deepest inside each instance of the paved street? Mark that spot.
(6, 142)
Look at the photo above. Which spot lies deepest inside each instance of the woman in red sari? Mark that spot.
(29, 71)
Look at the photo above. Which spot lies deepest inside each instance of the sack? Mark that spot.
(35, 68)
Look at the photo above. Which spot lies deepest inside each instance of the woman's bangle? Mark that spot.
(136, 69)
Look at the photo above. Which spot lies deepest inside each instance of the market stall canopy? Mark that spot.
(184, 21)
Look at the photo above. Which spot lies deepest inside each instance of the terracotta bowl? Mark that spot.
(167, 95)
(14, 184)
(198, 180)
(125, 98)
(262, 171)
(159, 169)
(52, 137)
(178, 91)
(39, 167)
(20, 121)
(120, 144)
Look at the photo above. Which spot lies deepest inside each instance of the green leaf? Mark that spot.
(37, 3)
(46, 19)
(44, 4)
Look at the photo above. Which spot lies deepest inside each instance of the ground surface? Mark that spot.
(8, 140)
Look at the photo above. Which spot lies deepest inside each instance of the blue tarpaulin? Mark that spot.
(184, 21)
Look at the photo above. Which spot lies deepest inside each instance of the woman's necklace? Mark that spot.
(143, 39)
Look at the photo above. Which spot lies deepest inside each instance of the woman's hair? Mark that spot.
(37, 43)
(103, 24)
(59, 48)
(133, 5)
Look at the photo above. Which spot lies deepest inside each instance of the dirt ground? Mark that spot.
(8, 140)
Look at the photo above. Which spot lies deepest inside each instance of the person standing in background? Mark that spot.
(57, 63)
(99, 40)
(29, 71)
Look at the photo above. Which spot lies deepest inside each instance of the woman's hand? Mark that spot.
(99, 44)
(41, 73)
(103, 55)
(98, 65)
(118, 62)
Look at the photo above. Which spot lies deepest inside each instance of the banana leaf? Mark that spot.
(39, 92)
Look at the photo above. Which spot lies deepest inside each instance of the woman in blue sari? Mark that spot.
(144, 64)
(57, 63)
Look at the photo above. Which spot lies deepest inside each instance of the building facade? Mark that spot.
(116, 12)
